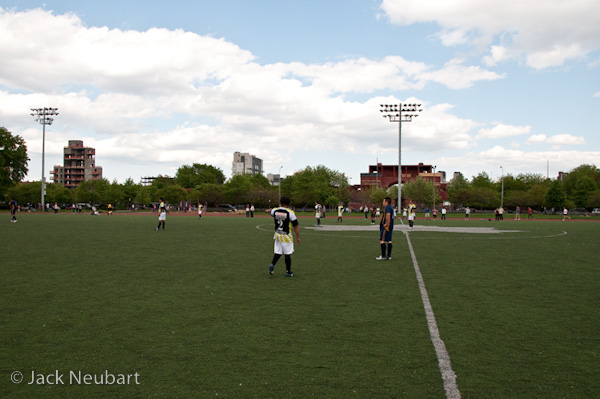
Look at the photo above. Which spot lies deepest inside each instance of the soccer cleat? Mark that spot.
(271, 270)
(381, 258)
(389, 258)
(289, 274)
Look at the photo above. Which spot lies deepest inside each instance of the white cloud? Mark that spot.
(566, 139)
(537, 139)
(543, 33)
(501, 131)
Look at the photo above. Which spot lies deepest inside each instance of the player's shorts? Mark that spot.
(283, 248)
(385, 235)
(162, 217)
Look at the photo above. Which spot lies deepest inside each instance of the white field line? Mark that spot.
(448, 375)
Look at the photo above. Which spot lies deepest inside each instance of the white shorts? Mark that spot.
(284, 248)
(162, 217)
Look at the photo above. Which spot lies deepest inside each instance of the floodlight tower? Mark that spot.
(502, 192)
(43, 116)
(400, 113)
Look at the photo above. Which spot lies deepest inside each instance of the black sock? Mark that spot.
(389, 248)
(288, 263)
(383, 250)
(275, 259)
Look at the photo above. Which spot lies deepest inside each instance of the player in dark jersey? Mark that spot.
(386, 227)
(285, 219)
(13, 210)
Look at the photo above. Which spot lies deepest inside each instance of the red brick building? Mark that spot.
(385, 176)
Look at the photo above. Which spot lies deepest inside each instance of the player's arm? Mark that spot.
(386, 224)
(296, 230)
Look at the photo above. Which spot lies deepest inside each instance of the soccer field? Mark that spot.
(107, 307)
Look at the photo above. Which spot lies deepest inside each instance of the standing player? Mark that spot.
(386, 227)
(285, 219)
(318, 210)
(199, 210)
(412, 210)
(340, 212)
(13, 210)
(162, 214)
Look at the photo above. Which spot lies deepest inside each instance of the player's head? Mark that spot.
(161, 199)
(284, 201)
(387, 201)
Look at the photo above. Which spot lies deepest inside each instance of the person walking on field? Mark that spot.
(386, 227)
(13, 210)
(285, 219)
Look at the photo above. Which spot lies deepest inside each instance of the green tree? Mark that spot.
(25, 193)
(212, 194)
(59, 194)
(555, 196)
(173, 194)
(237, 188)
(315, 184)
(584, 187)
(92, 191)
(13, 160)
(482, 180)
(197, 174)
(420, 191)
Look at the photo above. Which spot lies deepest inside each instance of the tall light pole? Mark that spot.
(281, 167)
(502, 192)
(434, 193)
(43, 117)
(400, 113)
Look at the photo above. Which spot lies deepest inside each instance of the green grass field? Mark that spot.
(194, 313)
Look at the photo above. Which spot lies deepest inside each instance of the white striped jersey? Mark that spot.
(284, 220)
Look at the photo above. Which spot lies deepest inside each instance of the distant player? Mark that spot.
(200, 211)
(412, 210)
(386, 227)
(318, 213)
(284, 219)
(162, 214)
(13, 210)
(110, 209)
(340, 212)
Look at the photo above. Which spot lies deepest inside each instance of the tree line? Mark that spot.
(202, 183)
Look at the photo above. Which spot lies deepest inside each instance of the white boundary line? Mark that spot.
(448, 375)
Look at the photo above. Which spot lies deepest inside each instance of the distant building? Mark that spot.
(79, 165)
(274, 180)
(385, 176)
(244, 163)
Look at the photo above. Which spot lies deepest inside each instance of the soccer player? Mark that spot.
(340, 212)
(285, 219)
(162, 214)
(318, 210)
(13, 210)
(199, 211)
(412, 210)
(386, 227)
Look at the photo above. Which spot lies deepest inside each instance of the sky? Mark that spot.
(505, 87)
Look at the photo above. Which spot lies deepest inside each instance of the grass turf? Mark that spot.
(194, 313)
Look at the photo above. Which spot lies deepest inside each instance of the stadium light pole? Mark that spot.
(43, 116)
(400, 113)
(434, 193)
(502, 191)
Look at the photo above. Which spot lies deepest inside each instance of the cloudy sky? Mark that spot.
(155, 84)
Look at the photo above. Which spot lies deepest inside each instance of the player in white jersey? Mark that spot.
(162, 214)
(285, 219)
